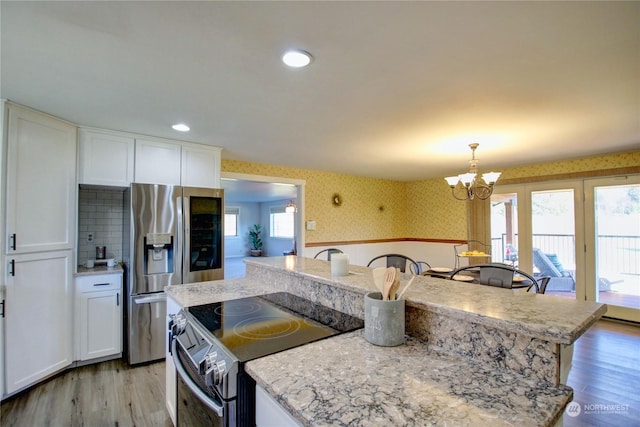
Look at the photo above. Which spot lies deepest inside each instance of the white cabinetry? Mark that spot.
(171, 392)
(200, 166)
(41, 183)
(177, 163)
(38, 320)
(39, 236)
(105, 158)
(157, 162)
(98, 316)
(269, 412)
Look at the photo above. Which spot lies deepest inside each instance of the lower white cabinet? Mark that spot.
(269, 413)
(38, 317)
(98, 316)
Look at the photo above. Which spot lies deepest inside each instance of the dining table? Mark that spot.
(518, 282)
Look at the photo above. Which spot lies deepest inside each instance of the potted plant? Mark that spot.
(256, 240)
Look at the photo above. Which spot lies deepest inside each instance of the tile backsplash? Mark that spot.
(101, 213)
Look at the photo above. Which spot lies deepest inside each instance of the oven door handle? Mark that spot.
(192, 386)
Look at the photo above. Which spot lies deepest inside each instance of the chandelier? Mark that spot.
(468, 186)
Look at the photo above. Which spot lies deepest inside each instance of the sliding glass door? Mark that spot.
(584, 234)
(533, 227)
(613, 244)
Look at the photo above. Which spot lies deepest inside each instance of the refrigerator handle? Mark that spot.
(186, 241)
(178, 260)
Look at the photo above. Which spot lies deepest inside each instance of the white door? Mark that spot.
(613, 244)
(100, 324)
(41, 183)
(539, 228)
(38, 317)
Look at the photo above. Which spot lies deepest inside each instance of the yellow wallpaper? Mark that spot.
(433, 212)
(611, 161)
(420, 209)
(358, 218)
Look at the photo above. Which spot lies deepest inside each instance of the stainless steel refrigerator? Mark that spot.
(172, 235)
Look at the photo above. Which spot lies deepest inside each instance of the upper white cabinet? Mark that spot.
(41, 183)
(157, 162)
(177, 163)
(200, 166)
(105, 158)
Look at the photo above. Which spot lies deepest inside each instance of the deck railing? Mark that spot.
(616, 253)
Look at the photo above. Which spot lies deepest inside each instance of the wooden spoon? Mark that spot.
(406, 287)
(389, 279)
(378, 278)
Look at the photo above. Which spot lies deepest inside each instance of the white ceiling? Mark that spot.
(244, 191)
(396, 90)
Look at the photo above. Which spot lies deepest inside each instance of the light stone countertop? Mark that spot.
(554, 319)
(217, 291)
(352, 382)
(98, 269)
(355, 383)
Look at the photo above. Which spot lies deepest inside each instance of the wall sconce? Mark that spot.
(290, 208)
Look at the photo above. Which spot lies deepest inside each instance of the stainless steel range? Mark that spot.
(210, 344)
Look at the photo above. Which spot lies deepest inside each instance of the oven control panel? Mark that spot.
(212, 369)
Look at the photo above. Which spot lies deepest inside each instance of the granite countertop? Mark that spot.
(217, 291)
(554, 319)
(98, 269)
(352, 382)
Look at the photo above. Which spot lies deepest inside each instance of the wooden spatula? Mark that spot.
(389, 279)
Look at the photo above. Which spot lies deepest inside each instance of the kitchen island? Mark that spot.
(476, 354)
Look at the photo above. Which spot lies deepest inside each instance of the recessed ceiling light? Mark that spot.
(296, 58)
(181, 127)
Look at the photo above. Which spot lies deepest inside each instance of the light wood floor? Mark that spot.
(606, 371)
(105, 394)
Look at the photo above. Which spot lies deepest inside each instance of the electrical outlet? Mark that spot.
(311, 225)
(90, 236)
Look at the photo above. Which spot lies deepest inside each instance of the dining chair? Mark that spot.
(542, 284)
(419, 268)
(328, 253)
(398, 261)
(497, 274)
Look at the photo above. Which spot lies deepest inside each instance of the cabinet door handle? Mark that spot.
(101, 284)
(12, 268)
(12, 242)
(118, 299)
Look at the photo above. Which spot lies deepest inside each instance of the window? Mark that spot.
(281, 223)
(231, 222)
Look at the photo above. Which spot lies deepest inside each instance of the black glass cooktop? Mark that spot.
(257, 326)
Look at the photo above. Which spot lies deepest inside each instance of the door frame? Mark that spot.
(300, 187)
(615, 311)
(525, 253)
